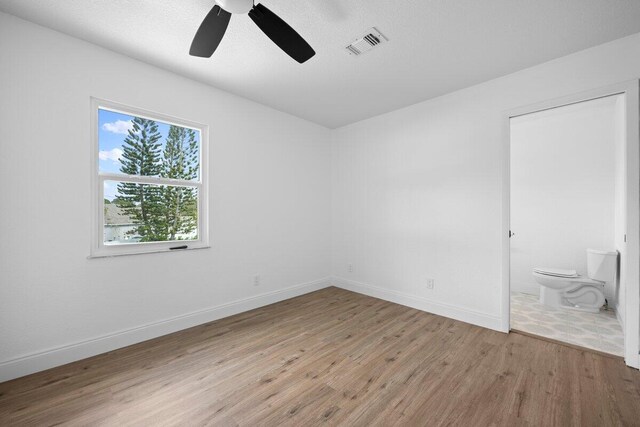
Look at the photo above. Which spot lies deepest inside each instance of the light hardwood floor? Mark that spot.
(332, 357)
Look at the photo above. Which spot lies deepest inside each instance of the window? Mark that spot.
(149, 181)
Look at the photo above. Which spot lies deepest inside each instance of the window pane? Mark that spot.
(135, 146)
(138, 213)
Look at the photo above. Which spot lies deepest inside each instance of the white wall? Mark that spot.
(563, 168)
(418, 191)
(269, 205)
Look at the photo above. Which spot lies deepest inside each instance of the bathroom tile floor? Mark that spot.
(599, 331)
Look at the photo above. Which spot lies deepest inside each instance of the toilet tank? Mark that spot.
(602, 265)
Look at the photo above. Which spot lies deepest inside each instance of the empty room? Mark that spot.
(320, 212)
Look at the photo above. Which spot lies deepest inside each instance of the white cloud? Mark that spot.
(119, 126)
(113, 155)
(109, 191)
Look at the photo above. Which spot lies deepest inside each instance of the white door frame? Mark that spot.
(631, 266)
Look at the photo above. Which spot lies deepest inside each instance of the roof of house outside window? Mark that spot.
(115, 215)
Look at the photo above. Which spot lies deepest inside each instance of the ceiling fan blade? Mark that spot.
(210, 33)
(281, 33)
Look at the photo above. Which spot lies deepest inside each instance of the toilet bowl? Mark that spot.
(568, 290)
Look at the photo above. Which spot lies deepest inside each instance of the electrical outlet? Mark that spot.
(430, 283)
(256, 280)
(350, 268)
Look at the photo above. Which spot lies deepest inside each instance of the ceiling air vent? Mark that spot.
(372, 38)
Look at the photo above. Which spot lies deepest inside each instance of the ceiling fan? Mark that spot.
(213, 27)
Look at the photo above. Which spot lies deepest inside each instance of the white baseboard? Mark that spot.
(46, 359)
(421, 303)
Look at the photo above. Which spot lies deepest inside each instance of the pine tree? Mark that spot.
(180, 161)
(141, 156)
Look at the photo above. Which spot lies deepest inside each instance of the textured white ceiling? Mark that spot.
(436, 46)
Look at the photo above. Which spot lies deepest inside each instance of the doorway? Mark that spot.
(571, 211)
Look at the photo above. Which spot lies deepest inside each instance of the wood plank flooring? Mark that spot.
(337, 358)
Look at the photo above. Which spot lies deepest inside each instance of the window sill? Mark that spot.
(109, 254)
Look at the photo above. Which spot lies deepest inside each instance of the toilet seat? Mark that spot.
(578, 279)
(559, 272)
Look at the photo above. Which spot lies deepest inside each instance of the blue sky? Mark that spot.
(112, 130)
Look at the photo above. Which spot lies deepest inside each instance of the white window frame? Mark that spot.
(98, 248)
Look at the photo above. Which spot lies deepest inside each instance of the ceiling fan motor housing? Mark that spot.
(236, 6)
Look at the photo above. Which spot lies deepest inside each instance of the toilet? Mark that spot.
(566, 289)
